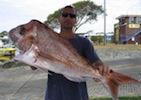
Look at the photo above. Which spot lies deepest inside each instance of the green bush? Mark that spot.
(97, 39)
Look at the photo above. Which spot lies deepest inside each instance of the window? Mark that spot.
(121, 21)
(138, 20)
(131, 19)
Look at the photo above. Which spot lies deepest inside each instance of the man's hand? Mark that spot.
(103, 70)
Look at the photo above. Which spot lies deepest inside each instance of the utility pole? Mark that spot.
(104, 22)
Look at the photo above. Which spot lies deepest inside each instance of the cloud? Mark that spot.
(15, 12)
(21, 11)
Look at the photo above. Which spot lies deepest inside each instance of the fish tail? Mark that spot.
(115, 79)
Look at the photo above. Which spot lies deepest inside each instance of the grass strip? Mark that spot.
(120, 98)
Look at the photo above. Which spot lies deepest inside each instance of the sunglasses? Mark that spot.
(64, 14)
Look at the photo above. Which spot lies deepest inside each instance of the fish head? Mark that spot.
(24, 35)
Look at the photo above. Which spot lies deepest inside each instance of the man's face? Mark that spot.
(67, 18)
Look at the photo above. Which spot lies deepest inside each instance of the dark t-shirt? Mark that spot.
(60, 88)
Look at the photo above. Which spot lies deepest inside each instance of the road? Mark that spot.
(22, 83)
(127, 66)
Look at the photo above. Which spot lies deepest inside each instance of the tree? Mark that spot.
(4, 33)
(87, 12)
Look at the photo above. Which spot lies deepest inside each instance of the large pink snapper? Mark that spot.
(45, 49)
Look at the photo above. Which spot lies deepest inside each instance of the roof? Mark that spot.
(123, 16)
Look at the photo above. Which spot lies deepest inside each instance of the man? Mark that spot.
(60, 88)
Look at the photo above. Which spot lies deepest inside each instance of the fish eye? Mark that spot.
(22, 29)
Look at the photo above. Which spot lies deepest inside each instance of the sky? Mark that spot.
(16, 12)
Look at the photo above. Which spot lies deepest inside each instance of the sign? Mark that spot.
(134, 25)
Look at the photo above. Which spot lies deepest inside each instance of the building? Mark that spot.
(128, 29)
(3, 40)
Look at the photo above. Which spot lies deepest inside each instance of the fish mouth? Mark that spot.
(23, 53)
(20, 53)
(19, 56)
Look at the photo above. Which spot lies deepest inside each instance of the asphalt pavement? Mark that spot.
(22, 83)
